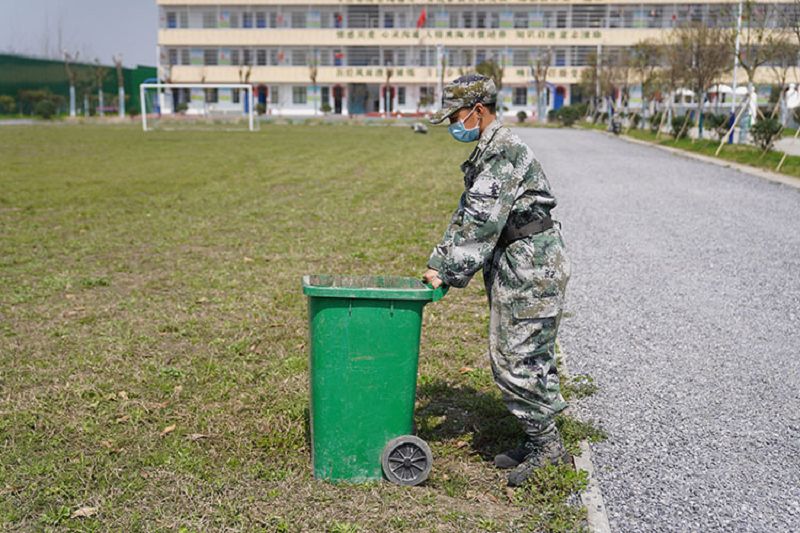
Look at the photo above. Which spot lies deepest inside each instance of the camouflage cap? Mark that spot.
(465, 91)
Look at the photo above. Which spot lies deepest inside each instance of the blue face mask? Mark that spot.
(462, 134)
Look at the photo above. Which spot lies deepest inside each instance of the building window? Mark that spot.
(247, 57)
(261, 57)
(261, 19)
(235, 96)
(212, 96)
(173, 56)
(274, 56)
(426, 96)
(299, 95)
(520, 96)
(209, 19)
(185, 60)
(298, 19)
(247, 20)
(401, 96)
(172, 19)
(466, 16)
(274, 95)
(388, 20)
(210, 56)
(235, 57)
(299, 58)
(326, 96)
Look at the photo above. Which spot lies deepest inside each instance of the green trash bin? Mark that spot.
(364, 349)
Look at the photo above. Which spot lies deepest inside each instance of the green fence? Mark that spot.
(20, 73)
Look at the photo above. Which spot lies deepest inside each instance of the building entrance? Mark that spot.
(363, 99)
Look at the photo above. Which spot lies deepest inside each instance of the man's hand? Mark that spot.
(432, 276)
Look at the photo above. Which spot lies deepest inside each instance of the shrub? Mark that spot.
(30, 99)
(655, 121)
(716, 122)
(7, 104)
(182, 107)
(765, 132)
(45, 109)
(568, 115)
(521, 116)
(325, 108)
(261, 109)
(679, 129)
(551, 115)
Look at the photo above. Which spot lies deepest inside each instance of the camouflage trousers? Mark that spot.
(525, 282)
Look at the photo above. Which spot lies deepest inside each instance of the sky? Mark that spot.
(94, 28)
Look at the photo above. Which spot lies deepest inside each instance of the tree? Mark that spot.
(69, 59)
(100, 74)
(597, 80)
(705, 60)
(387, 94)
(312, 75)
(791, 21)
(120, 85)
(757, 44)
(620, 66)
(540, 64)
(493, 69)
(647, 58)
(783, 59)
(672, 76)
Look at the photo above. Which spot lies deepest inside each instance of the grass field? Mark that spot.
(153, 359)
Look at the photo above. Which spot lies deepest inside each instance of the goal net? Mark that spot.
(193, 106)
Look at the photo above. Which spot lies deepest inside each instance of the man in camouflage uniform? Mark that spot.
(503, 225)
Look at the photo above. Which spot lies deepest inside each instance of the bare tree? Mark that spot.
(312, 75)
(120, 85)
(672, 76)
(706, 60)
(100, 74)
(620, 69)
(540, 65)
(757, 42)
(598, 80)
(783, 59)
(388, 90)
(791, 21)
(69, 59)
(647, 58)
(493, 69)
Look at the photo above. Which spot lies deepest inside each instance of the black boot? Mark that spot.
(548, 450)
(512, 458)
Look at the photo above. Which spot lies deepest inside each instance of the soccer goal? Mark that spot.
(218, 106)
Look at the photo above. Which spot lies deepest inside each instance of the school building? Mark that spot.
(379, 56)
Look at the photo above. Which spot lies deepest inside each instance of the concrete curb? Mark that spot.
(747, 169)
(592, 497)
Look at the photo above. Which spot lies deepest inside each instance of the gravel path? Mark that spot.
(685, 303)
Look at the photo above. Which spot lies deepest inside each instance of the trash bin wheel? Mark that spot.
(407, 460)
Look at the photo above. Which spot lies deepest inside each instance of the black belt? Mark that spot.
(510, 234)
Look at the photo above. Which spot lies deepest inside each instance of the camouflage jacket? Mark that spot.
(503, 183)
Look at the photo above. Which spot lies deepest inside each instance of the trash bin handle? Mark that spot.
(439, 292)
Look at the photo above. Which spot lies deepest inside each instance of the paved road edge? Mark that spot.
(592, 496)
(747, 169)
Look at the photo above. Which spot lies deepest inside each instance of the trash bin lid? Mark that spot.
(370, 287)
